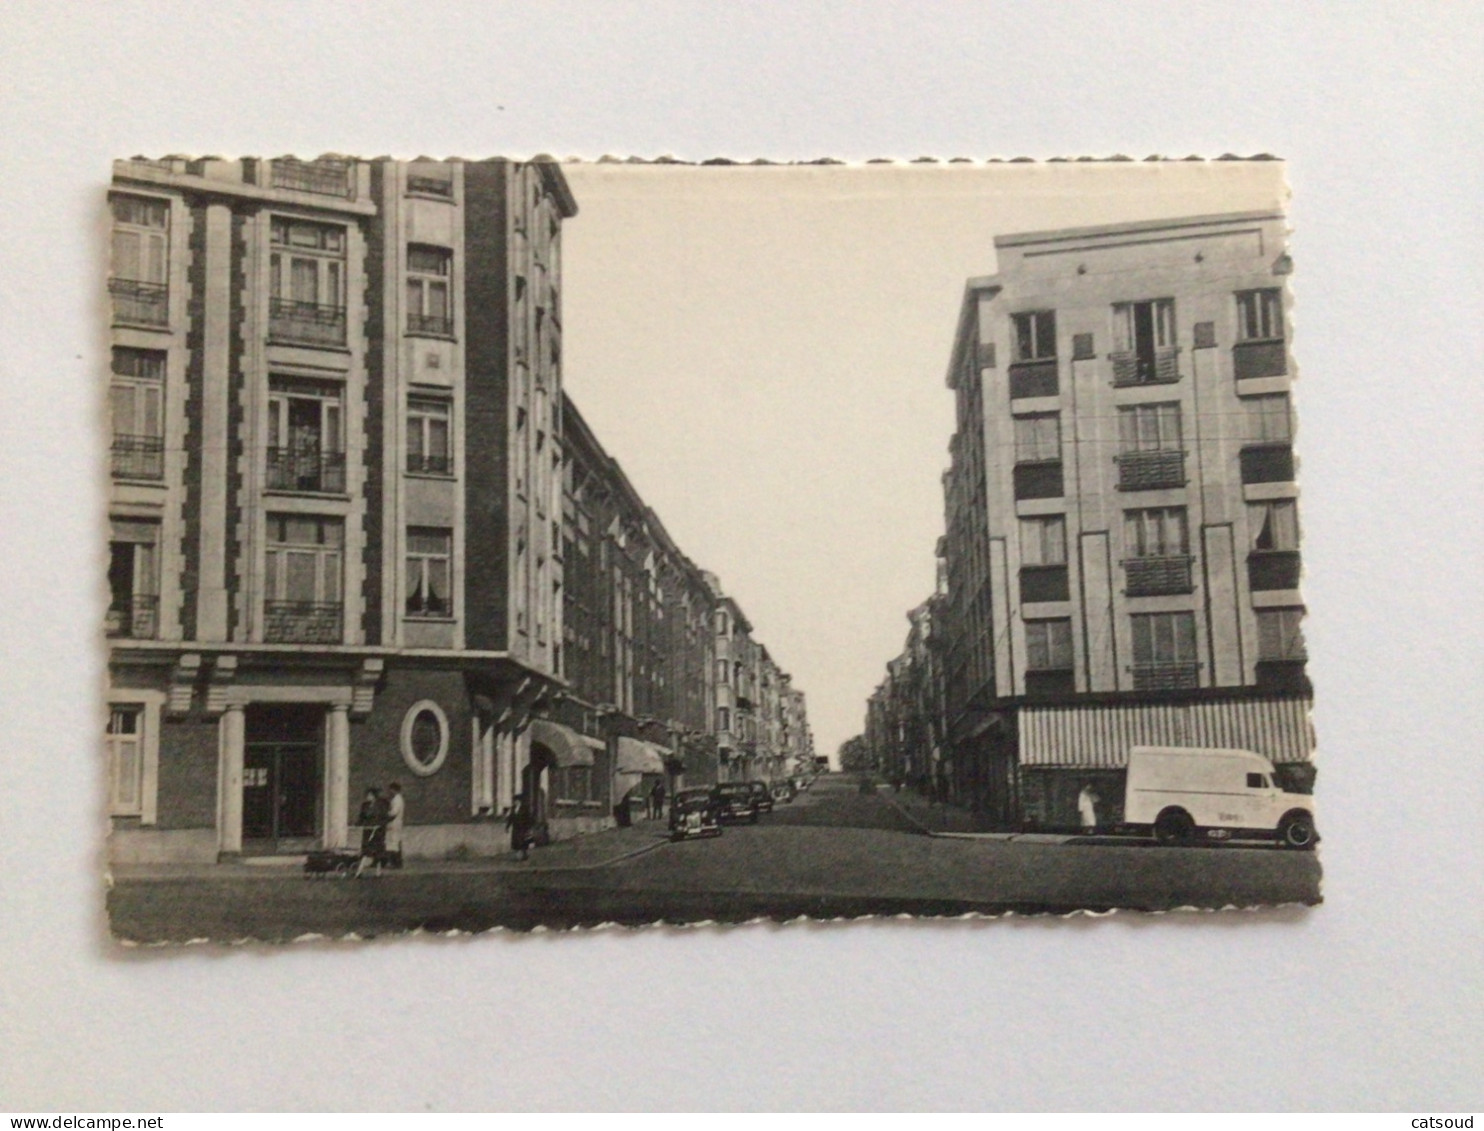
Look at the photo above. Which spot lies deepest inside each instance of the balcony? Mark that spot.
(306, 323)
(430, 186)
(1259, 359)
(1162, 367)
(1282, 675)
(137, 303)
(1163, 676)
(138, 618)
(434, 325)
(306, 469)
(1033, 379)
(324, 178)
(1039, 480)
(1043, 583)
(429, 465)
(1267, 463)
(1150, 471)
(1273, 569)
(302, 622)
(1050, 684)
(1155, 577)
(138, 457)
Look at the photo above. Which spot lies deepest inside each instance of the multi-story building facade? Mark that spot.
(1122, 533)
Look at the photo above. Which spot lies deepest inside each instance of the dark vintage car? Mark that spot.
(737, 802)
(695, 813)
(763, 794)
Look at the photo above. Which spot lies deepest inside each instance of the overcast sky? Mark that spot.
(764, 350)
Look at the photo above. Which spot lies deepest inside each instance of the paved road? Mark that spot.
(833, 853)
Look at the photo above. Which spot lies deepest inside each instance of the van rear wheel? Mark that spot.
(1174, 826)
(1297, 831)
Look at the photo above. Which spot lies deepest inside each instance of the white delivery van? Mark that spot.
(1186, 794)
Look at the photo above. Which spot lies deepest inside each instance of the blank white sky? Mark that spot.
(764, 349)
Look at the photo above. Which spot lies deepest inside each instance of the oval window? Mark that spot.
(424, 737)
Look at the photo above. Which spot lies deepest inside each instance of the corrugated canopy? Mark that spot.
(567, 746)
(638, 757)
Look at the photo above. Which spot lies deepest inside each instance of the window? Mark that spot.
(429, 588)
(140, 261)
(1274, 524)
(306, 282)
(1038, 437)
(722, 627)
(305, 436)
(1035, 335)
(723, 720)
(136, 403)
(1048, 645)
(124, 742)
(1149, 427)
(424, 737)
(1157, 532)
(1144, 342)
(1259, 315)
(427, 436)
(303, 579)
(1280, 635)
(573, 783)
(133, 579)
(428, 309)
(1272, 423)
(1164, 651)
(723, 670)
(1043, 541)
(1256, 781)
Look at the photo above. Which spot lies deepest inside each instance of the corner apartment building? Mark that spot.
(1122, 546)
(335, 553)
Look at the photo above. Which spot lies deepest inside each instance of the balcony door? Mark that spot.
(306, 445)
(133, 579)
(303, 591)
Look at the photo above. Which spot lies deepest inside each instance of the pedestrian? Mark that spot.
(518, 821)
(1087, 809)
(396, 809)
(371, 819)
(657, 799)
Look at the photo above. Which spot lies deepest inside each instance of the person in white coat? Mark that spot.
(1087, 808)
(396, 808)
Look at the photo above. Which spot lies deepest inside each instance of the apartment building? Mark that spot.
(335, 552)
(1122, 535)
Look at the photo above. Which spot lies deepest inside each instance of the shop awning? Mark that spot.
(638, 757)
(567, 746)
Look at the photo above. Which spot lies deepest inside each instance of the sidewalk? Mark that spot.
(943, 820)
(595, 850)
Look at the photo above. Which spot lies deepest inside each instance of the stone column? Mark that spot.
(231, 734)
(337, 776)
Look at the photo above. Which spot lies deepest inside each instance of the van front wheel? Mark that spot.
(1174, 826)
(1297, 831)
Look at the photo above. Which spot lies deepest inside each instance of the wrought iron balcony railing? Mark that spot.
(326, 178)
(302, 622)
(1273, 569)
(429, 465)
(306, 323)
(1150, 471)
(1165, 676)
(438, 325)
(1153, 577)
(1259, 359)
(138, 457)
(137, 303)
(306, 469)
(138, 618)
(1162, 367)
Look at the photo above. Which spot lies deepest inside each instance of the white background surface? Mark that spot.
(1371, 1001)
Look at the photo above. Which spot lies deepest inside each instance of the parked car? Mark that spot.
(736, 801)
(695, 812)
(763, 794)
(1183, 795)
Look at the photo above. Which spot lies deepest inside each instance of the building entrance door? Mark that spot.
(282, 779)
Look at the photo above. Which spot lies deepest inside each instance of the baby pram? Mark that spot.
(343, 863)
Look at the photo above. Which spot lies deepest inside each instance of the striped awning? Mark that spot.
(1100, 736)
(636, 756)
(567, 747)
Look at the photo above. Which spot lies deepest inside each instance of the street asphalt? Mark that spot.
(833, 853)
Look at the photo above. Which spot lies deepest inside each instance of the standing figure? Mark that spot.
(518, 821)
(1087, 808)
(372, 820)
(396, 808)
(657, 799)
